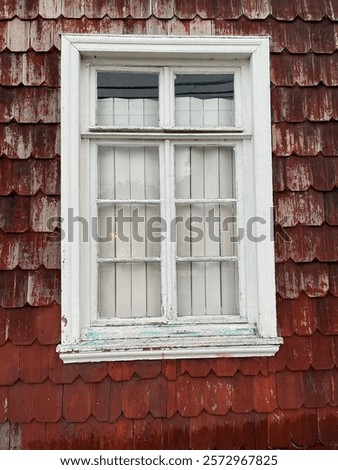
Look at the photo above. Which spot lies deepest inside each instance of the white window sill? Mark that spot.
(201, 347)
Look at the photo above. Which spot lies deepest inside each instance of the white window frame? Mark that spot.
(85, 337)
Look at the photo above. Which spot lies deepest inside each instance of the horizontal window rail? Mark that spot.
(205, 259)
(153, 259)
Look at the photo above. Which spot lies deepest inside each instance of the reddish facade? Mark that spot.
(288, 401)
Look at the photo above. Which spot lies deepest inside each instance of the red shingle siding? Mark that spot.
(288, 401)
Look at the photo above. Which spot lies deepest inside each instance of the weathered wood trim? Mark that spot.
(255, 332)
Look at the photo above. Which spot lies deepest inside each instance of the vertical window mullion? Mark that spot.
(93, 214)
(168, 251)
(167, 98)
(240, 183)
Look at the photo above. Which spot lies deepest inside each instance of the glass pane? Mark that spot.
(129, 230)
(128, 173)
(127, 99)
(207, 288)
(204, 172)
(129, 290)
(204, 100)
(206, 229)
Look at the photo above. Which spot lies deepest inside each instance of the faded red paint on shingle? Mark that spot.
(77, 401)
(34, 363)
(158, 397)
(287, 401)
(296, 104)
(304, 139)
(304, 315)
(115, 404)
(265, 393)
(316, 388)
(10, 364)
(29, 177)
(328, 429)
(310, 70)
(22, 325)
(148, 434)
(24, 141)
(301, 173)
(48, 402)
(121, 371)
(3, 403)
(327, 314)
(22, 213)
(30, 69)
(175, 433)
(29, 105)
(58, 372)
(37, 288)
(189, 393)
(293, 278)
(146, 369)
(217, 395)
(308, 10)
(331, 204)
(29, 251)
(100, 400)
(49, 325)
(169, 369)
(306, 208)
(279, 429)
(226, 367)
(322, 352)
(304, 427)
(195, 368)
(34, 435)
(135, 408)
(243, 394)
(208, 432)
(333, 276)
(93, 372)
(41, 402)
(297, 37)
(289, 390)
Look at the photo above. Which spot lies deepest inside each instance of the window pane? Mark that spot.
(207, 288)
(204, 172)
(127, 99)
(129, 290)
(204, 100)
(129, 230)
(128, 173)
(206, 229)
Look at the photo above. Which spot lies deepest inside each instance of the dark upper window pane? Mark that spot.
(127, 99)
(204, 99)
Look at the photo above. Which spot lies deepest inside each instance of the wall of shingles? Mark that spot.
(289, 401)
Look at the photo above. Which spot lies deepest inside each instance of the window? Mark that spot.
(166, 198)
